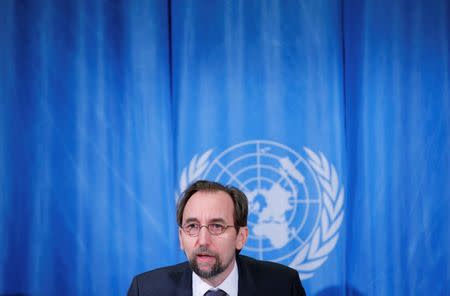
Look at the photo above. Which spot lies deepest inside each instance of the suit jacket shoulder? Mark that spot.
(255, 278)
(171, 280)
(258, 277)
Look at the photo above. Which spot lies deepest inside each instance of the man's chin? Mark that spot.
(207, 268)
(204, 271)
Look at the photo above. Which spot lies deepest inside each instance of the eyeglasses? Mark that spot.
(193, 229)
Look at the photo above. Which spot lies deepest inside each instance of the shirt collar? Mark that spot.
(229, 285)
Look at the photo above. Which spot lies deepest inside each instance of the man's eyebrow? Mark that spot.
(214, 220)
(217, 220)
(189, 220)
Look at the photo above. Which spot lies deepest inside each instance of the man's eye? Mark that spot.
(192, 226)
(216, 226)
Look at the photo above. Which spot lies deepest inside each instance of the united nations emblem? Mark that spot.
(295, 202)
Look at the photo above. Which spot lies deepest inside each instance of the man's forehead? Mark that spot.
(211, 220)
(211, 197)
(209, 204)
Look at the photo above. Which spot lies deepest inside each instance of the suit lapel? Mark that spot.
(182, 279)
(246, 282)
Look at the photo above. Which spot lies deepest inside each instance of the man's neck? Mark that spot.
(229, 284)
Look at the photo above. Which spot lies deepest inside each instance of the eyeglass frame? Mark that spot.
(225, 227)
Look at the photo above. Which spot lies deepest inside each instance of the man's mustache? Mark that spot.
(205, 252)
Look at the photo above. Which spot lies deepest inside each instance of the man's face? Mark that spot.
(211, 256)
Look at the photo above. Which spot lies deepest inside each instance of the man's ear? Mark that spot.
(241, 238)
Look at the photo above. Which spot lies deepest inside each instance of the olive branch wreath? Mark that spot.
(196, 168)
(325, 236)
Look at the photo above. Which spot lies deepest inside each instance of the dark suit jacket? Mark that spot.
(255, 278)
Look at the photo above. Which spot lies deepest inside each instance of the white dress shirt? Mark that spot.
(229, 285)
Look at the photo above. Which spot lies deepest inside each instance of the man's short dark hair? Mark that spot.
(237, 196)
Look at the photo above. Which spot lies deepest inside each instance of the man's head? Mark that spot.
(213, 227)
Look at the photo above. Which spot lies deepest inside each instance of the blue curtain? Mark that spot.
(333, 117)
(398, 142)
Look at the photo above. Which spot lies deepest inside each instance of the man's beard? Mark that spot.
(215, 270)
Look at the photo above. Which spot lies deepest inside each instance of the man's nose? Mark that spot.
(204, 237)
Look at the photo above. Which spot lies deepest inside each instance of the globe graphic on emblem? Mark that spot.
(283, 194)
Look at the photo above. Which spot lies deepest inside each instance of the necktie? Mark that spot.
(215, 293)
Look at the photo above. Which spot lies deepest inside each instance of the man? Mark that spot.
(212, 221)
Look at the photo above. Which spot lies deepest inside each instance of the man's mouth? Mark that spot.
(205, 258)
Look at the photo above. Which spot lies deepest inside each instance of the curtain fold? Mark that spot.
(86, 145)
(398, 126)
